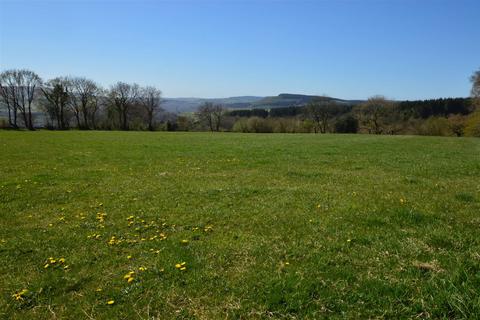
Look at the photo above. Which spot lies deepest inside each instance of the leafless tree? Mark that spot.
(98, 100)
(475, 78)
(84, 100)
(27, 82)
(150, 99)
(321, 112)
(57, 93)
(18, 92)
(122, 97)
(372, 112)
(8, 93)
(211, 115)
(476, 87)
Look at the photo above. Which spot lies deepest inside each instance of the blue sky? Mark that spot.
(403, 49)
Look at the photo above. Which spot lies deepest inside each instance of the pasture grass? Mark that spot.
(141, 225)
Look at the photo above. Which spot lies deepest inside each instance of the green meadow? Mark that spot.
(158, 225)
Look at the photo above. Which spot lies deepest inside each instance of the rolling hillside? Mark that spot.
(179, 105)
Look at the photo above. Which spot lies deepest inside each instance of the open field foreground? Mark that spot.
(138, 225)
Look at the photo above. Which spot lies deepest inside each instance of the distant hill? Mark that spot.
(179, 105)
(292, 100)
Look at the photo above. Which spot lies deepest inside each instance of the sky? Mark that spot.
(402, 49)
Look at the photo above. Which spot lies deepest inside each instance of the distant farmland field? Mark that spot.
(140, 225)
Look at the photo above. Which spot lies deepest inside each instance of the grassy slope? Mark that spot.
(303, 226)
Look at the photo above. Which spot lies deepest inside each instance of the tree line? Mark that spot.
(77, 102)
(377, 115)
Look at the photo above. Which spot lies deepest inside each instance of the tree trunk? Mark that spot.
(59, 124)
(94, 125)
(150, 121)
(77, 117)
(62, 123)
(25, 119)
(125, 124)
(15, 125)
(30, 122)
(85, 119)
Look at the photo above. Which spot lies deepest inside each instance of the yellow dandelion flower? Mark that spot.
(110, 302)
(46, 265)
(130, 279)
(184, 241)
(19, 295)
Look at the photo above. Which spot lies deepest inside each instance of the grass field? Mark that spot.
(130, 225)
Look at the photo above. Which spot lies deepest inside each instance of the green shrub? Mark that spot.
(472, 125)
(436, 126)
(240, 125)
(457, 124)
(259, 125)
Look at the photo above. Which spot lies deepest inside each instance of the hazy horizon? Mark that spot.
(404, 50)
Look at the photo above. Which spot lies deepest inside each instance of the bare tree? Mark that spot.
(211, 115)
(97, 101)
(84, 100)
(122, 97)
(321, 112)
(18, 93)
(28, 81)
(8, 92)
(150, 99)
(372, 112)
(476, 86)
(57, 93)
